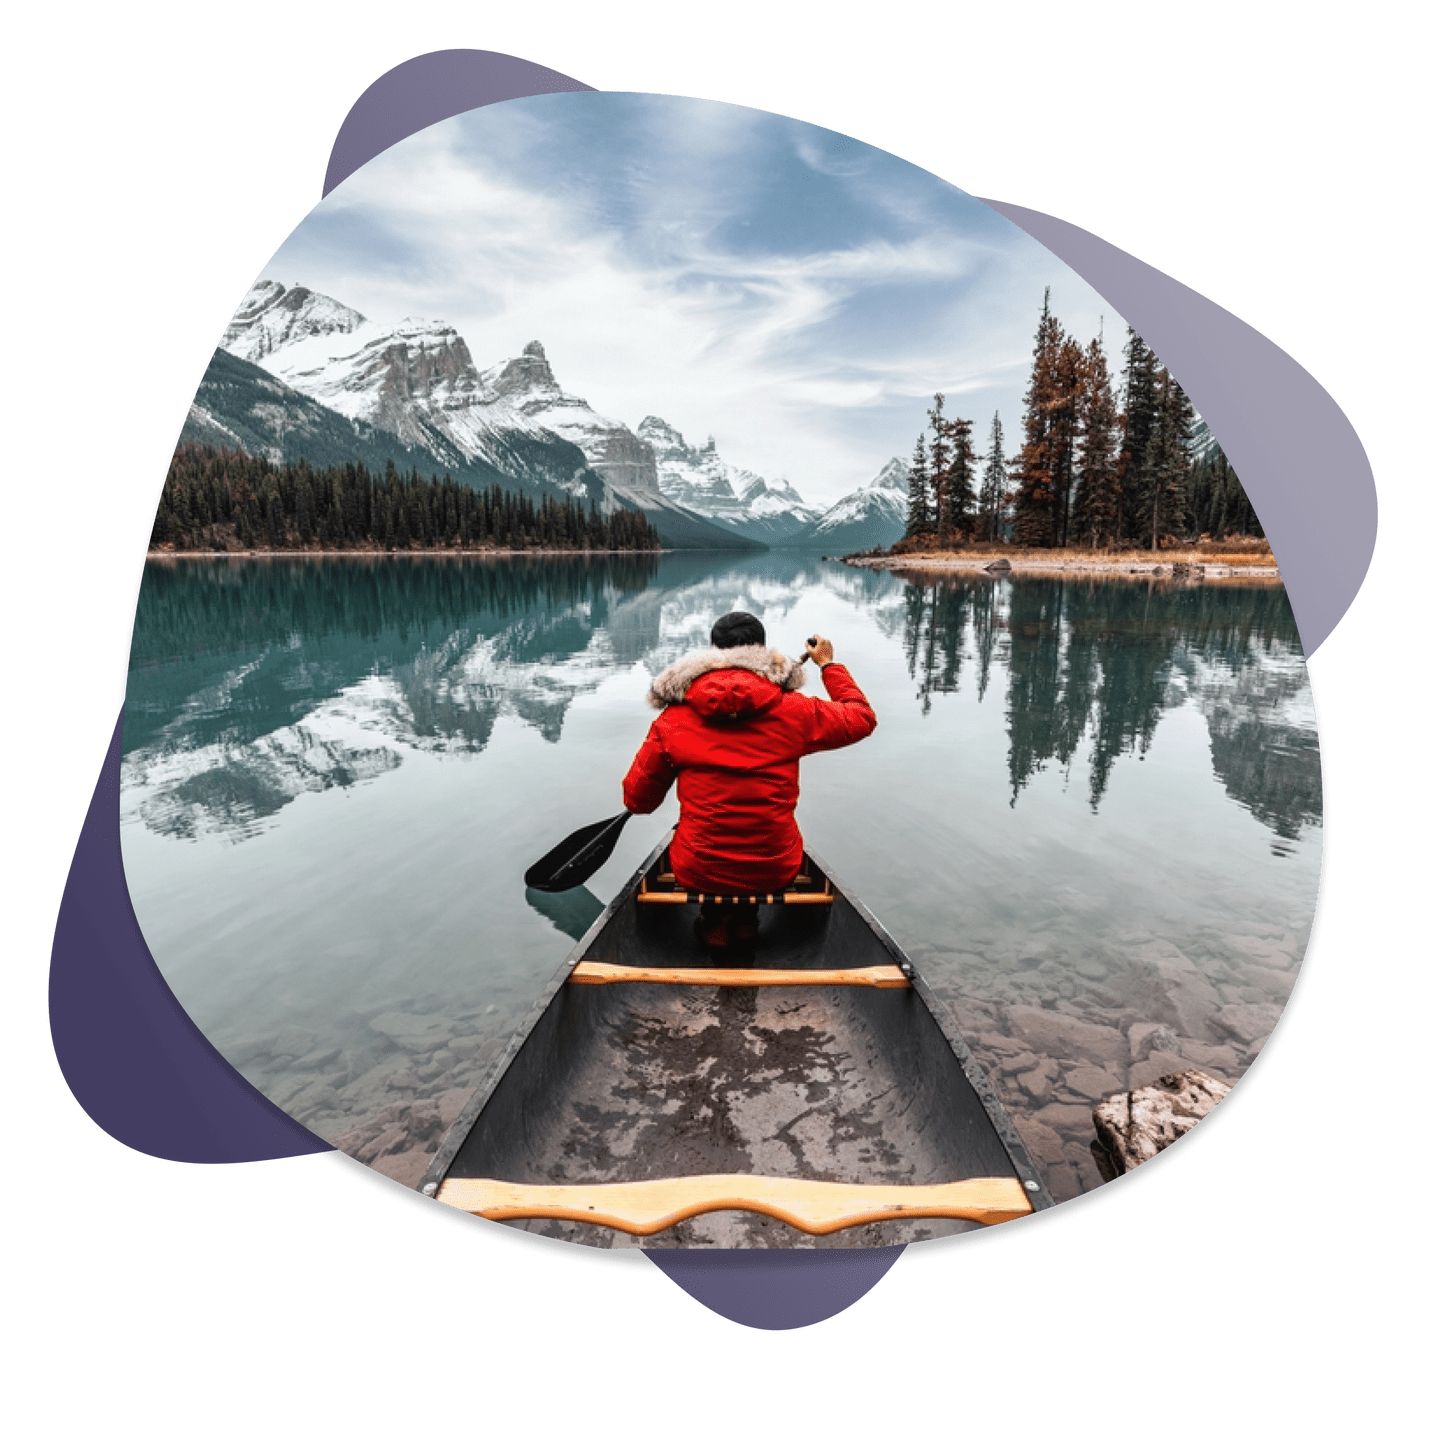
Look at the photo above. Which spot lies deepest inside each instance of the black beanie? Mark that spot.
(737, 629)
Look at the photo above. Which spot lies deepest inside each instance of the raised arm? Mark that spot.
(847, 717)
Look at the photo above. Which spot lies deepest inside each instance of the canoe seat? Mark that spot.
(599, 972)
(811, 1205)
(807, 889)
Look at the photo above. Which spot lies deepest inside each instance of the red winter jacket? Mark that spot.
(733, 728)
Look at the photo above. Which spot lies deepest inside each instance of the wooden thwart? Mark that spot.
(813, 1206)
(598, 972)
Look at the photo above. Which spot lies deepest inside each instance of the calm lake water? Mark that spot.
(1091, 811)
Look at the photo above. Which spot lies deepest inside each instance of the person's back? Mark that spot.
(732, 729)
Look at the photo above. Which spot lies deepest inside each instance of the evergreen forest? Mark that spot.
(1096, 469)
(223, 500)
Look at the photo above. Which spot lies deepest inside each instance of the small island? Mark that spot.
(1134, 486)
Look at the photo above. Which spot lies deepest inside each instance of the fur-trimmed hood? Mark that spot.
(670, 687)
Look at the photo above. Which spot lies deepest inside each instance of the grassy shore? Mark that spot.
(1249, 559)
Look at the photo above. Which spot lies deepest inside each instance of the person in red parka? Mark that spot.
(732, 729)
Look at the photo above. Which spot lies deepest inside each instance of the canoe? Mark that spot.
(812, 1091)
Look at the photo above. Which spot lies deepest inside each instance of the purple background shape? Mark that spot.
(776, 1288)
(132, 1057)
(145, 1073)
(427, 89)
(1294, 450)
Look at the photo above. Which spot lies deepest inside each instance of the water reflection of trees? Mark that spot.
(240, 649)
(215, 605)
(1105, 659)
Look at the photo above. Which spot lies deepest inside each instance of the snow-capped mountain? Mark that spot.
(872, 516)
(524, 391)
(273, 316)
(700, 480)
(240, 405)
(415, 381)
(418, 382)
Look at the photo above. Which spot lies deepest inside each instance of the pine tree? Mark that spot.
(1097, 502)
(1165, 471)
(1141, 404)
(940, 467)
(992, 487)
(960, 479)
(1064, 431)
(918, 521)
(1035, 497)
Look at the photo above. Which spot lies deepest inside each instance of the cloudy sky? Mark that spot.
(797, 294)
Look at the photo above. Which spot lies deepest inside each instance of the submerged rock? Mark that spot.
(1091, 1081)
(1248, 1022)
(1137, 1125)
(1147, 1037)
(416, 1033)
(1065, 1037)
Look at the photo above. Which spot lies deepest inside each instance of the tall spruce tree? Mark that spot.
(1065, 430)
(1166, 468)
(940, 467)
(992, 486)
(1035, 496)
(960, 479)
(918, 521)
(1141, 406)
(1097, 502)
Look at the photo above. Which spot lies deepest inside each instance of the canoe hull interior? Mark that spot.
(651, 1081)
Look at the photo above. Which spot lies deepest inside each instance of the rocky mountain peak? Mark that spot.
(272, 317)
(754, 487)
(893, 475)
(529, 376)
(667, 440)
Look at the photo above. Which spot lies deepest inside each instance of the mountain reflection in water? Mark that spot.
(337, 769)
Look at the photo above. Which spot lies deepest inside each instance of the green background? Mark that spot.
(1266, 154)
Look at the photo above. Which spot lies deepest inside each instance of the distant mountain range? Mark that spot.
(872, 516)
(700, 480)
(301, 376)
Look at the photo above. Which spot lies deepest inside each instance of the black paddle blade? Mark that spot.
(577, 857)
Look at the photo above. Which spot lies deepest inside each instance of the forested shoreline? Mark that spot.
(224, 500)
(1095, 471)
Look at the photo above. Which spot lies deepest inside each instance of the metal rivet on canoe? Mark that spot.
(1031, 1185)
(430, 1188)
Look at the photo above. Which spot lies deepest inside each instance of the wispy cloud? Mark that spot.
(797, 294)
